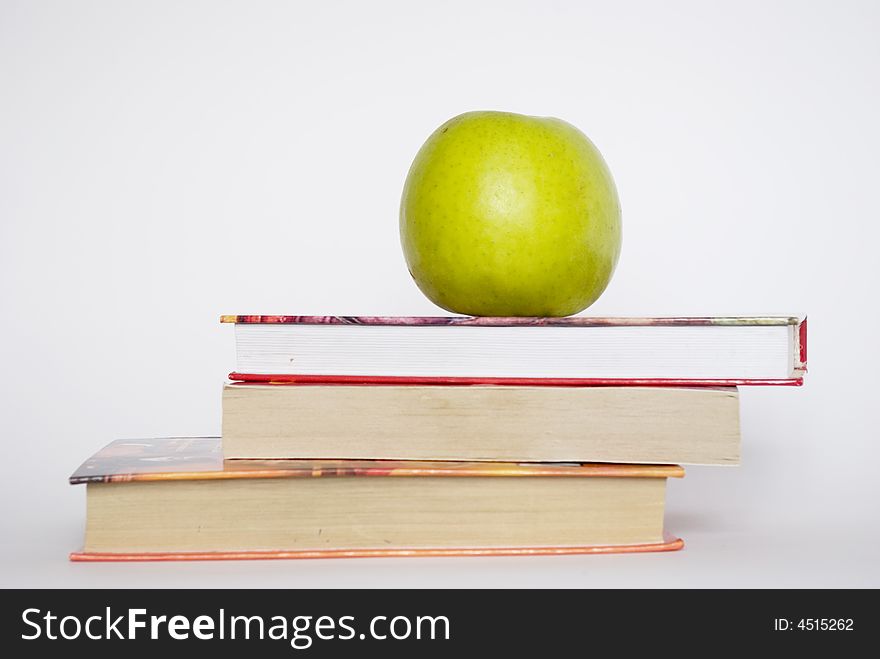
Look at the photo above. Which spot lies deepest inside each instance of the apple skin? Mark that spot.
(510, 215)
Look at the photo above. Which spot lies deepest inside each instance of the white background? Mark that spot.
(162, 163)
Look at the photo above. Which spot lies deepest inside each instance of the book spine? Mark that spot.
(802, 346)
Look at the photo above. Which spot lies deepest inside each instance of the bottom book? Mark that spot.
(176, 499)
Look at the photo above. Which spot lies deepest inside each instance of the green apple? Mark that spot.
(509, 215)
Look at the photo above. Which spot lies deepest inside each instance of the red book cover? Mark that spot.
(795, 378)
(183, 459)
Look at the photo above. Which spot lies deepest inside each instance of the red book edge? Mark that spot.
(520, 382)
(670, 543)
(802, 346)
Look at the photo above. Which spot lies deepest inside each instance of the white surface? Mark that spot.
(149, 152)
(563, 352)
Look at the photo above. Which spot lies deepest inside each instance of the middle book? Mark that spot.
(659, 425)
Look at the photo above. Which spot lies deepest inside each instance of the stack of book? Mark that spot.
(363, 436)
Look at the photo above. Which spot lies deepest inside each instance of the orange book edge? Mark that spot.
(670, 543)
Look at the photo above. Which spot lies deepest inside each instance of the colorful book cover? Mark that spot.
(512, 321)
(200, 458)
(796, 378)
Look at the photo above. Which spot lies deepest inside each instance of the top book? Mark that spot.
(577, 351)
